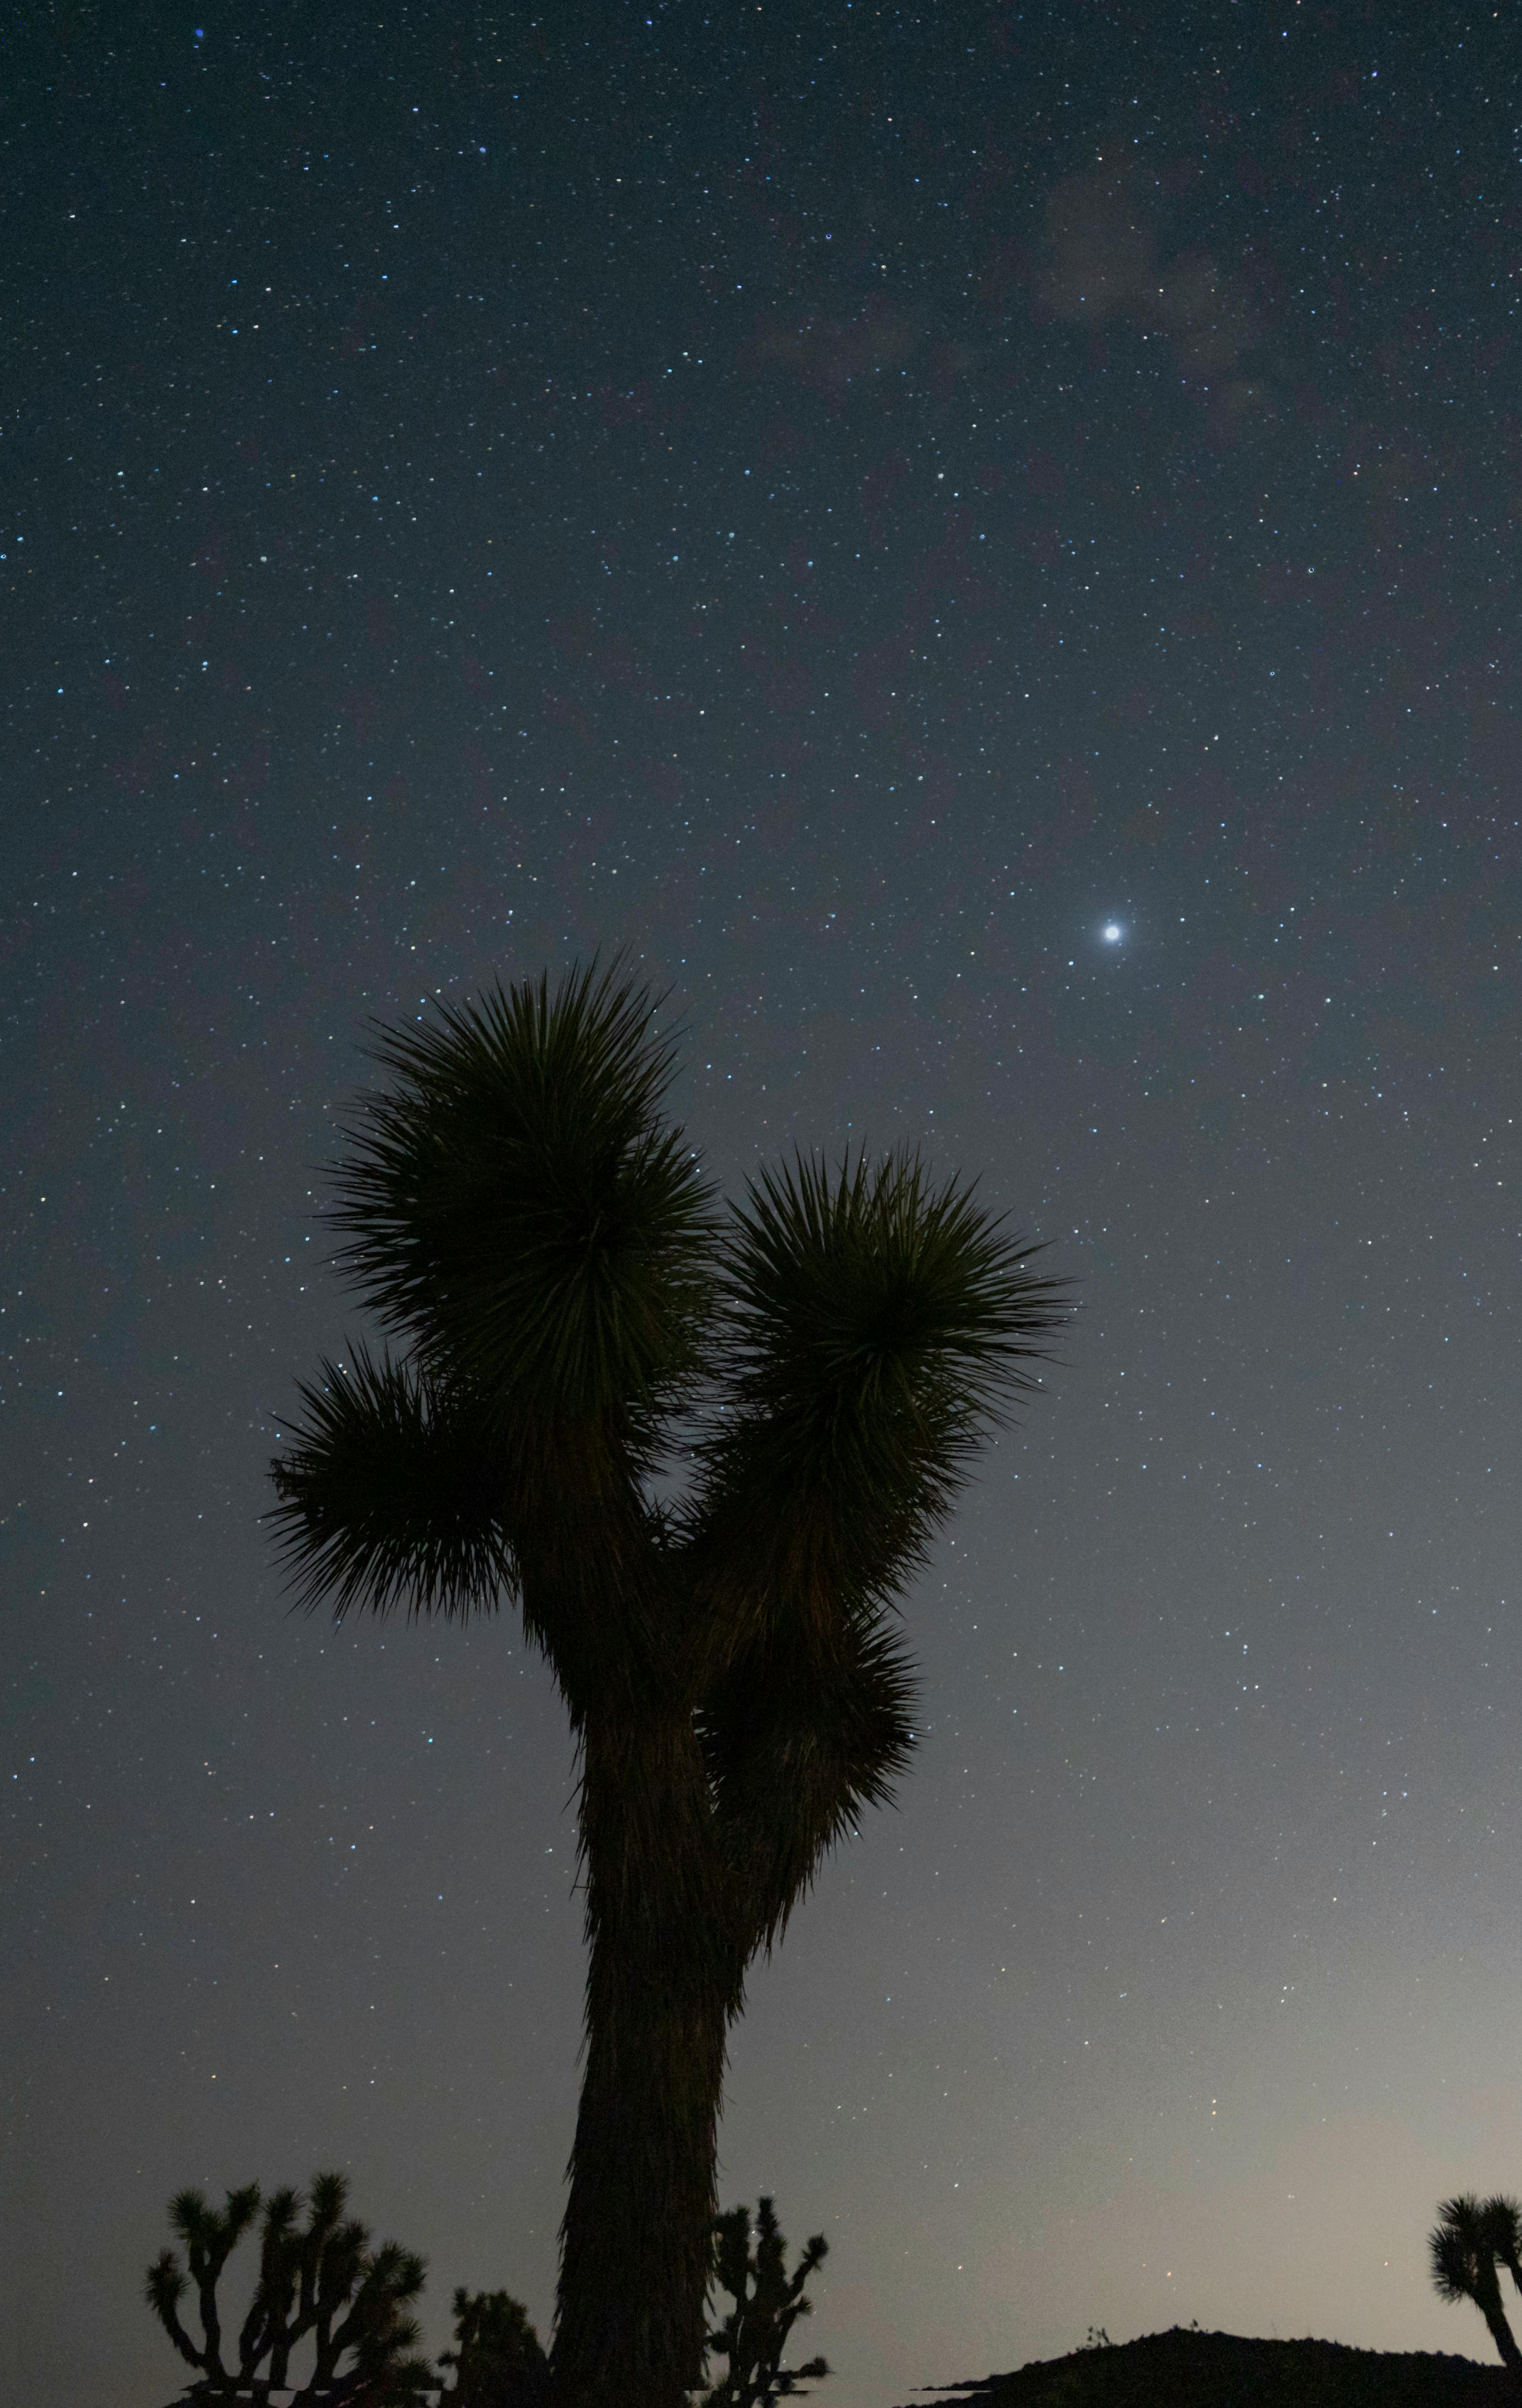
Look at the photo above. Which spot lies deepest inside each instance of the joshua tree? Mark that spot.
(322, 2282)
(210, 2236)
(497, 2359)
(1464, 2245)
(768, 2302)
(574, 1312)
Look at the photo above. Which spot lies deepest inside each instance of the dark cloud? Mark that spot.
(1102, 262)
(832, 353)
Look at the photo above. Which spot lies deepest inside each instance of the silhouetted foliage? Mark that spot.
(321, 2282)
(497, 2355)
(572, 1307)
(767, 2302)
(1470, 2238)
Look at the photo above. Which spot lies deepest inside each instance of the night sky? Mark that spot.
(980, 545)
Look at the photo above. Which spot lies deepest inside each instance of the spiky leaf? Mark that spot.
(516, 1207)
(879, 1328)
(390, 1494)
(799, 1744)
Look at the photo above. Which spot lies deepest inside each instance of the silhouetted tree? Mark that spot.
(768, 2302)
(497, 2355)
(321, 2282)
(210, 2236)
(573, 1310)
(1463, 2244)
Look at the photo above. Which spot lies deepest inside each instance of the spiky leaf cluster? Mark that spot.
(390, 1494)
(876, 1327)
(518, 1211)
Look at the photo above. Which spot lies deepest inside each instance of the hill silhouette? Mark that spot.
(1187, 2368)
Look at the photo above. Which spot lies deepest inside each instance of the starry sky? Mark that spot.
(979, 543)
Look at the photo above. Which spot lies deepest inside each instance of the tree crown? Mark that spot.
(570, 1302)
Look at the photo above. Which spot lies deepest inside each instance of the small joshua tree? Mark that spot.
(1470, 2238)
(768, 2302)
(319, 2281)
(210, 2236)
(497, 2359)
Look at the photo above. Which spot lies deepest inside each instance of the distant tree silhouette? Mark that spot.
(497, 2355)
(319, 2282)
(210, 2235)
(574, 1311)
(768, 2302)
(1469, 2238)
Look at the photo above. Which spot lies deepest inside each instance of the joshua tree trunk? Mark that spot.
(1487, 2300)
(636, 2239)
(661, 1986)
